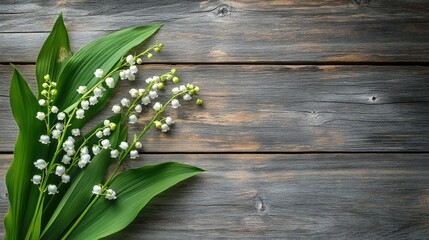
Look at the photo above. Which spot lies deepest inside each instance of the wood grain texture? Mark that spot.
(281, 109)
(287, 196)
(233, 31)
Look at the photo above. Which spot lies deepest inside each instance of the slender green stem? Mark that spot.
(80, 217)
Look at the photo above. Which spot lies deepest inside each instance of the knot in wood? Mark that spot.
(362, 2)
(260, 205)
(223, 10)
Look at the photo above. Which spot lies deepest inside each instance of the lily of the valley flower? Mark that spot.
(36, 179)
(157, 106)
(114, 153)
(65, 178)
(96, 190)
(110, 82)
(52, 189)
(44, 139)
(98, 73)
(60, 170)
(41, 116)
(175, 103)
(110, 194)
(134, 154)
(80, 113)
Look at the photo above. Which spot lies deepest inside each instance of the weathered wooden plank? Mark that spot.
(281, 108)
(233, 31)
(344, 196)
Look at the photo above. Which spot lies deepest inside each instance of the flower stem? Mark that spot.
(80, 217)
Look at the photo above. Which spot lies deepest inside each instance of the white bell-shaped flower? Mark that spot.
(110, 82)
(61, 116)
(96, 149)
(98, 92)
(96, 190)
(52, 189)
(41, 116)
(145, 100)
(42, 102)
(114, 153)
(81, 90)
(60, 170)
(110, 194)
(138, 145)
(105, 143)
(187, 97)
(59, 126)
(56, 134)
(66, 159)
(93, 100)
(106, 131)
(80, 113)
(175, 103)
(132, 119)
(44, 139)
(165, 127)
(116, 108)
(134, 92)
(175, 90)
(157, 106)
(40, 164)
(84, 104)
(123, 145)
(36, 179)
(134, 154)
(133, 69)
(98, 73)
(130, 59)
(65, 178)
(75, 132)
(138, 108)
(153, 94)
(54, 109)
(169, 120)
(182, 88)
(125, 102)
(99, 134)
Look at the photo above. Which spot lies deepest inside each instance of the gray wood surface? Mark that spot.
(316, 116)
(282, 108)
(309, 196)
(233, 31)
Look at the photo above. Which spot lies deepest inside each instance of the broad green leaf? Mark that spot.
(104, 53)
(134, 189)
(53, 55)
(69, 205)
(22, 193)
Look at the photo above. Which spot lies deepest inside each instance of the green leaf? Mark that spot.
(22, 193)
(104, 53)
(53, 55)
(134, 189)
(75, 198)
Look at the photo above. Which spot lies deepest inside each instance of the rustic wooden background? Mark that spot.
(316, 115)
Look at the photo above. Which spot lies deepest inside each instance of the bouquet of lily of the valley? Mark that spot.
(59, 185)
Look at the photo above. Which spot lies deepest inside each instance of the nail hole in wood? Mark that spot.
(373, 98)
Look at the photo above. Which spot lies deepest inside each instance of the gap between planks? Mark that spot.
(268, 63)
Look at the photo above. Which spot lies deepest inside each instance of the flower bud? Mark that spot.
(199, 102)
(157, 50)
(44, 92)
(197, 89)
(53, 84)
(176, 80)
(158, 124)
(45, 85)
(169, 77)
(160, 86)
(173, 71)
(161, 45)
(112, 126)
(47, 77)
(54, 92)
(139, 61)
(150, 56)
